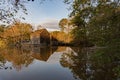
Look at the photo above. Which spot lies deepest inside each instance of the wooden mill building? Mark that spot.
(40, 37)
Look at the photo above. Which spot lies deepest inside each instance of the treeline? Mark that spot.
(61, 38)
(19, 33)
(15, 33)
(96, 21)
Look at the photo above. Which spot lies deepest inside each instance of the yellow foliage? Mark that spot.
(17, 32)
(62, 36)
(2, 44)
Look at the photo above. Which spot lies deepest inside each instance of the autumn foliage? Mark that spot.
(17, 32)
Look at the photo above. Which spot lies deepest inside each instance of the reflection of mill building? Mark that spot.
(42, 53)
(40, 37)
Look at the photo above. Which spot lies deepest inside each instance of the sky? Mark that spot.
(48, 14)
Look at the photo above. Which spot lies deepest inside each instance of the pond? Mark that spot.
(59, 63)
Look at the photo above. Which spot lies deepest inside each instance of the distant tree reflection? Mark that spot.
(93, 64)
(18, 57)
(106, 63)
(77, 63)
(23, 57)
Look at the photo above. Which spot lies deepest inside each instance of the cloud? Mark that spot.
(51, 24)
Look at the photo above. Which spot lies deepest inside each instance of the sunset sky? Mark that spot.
(48, 14)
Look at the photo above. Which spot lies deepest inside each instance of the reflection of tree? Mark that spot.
(18, 57)
(77, 63)
(2, 62)
(22, 57)
(105, 63)
(99, 64)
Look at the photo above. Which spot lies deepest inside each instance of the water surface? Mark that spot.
(59, 63)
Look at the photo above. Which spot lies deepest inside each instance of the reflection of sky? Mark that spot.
(47, 14)
(38, 71)
(55, 57)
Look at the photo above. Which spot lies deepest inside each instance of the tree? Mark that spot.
(63, 23)
(99, 18)
(105, 28)
(10, 8)
(18, 32)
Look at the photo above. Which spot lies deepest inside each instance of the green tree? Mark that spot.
(105, 28)
(99, 18)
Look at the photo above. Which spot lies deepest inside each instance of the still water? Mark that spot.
(59, 63)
